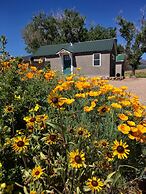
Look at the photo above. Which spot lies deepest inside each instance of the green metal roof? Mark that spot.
(80, 47)
(120, 57)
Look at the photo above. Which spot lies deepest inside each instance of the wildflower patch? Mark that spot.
(68, 134)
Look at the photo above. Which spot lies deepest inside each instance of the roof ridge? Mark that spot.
(55, 44)
(96, 40)
(68, 43)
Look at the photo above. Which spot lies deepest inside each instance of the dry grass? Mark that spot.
(140, 73)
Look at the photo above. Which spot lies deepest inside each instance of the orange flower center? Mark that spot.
(123, 127)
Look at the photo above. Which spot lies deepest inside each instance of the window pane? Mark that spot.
(96, 62)
(96, 56)
(66, 57)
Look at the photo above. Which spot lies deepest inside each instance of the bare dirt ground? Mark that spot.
(135, 85)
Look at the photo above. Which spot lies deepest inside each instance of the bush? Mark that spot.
(67, 134)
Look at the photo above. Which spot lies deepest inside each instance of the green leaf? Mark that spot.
(78, 190)
(25, 190)
(86, 188)
(42, 156)
(109, 178)
(111, 174)
(118, 175)
(52, 125)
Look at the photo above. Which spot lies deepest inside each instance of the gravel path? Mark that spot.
(135, 85)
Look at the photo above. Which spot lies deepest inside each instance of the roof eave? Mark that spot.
(63, 51)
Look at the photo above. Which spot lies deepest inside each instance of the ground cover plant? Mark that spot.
(68, 135)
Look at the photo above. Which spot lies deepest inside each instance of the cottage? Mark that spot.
(93, 57)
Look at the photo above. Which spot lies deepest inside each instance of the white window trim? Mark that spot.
(99, 60)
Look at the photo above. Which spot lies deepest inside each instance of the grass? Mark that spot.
(140, 73)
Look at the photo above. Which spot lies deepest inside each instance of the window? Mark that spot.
(97, 59)
(66, 57)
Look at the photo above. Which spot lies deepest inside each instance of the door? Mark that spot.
(66, 64)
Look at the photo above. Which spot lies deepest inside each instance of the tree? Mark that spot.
(134, 42)
(99, 32)
(72, 27)
(3, 42)
(143, 27)
(41, 31)
(120, 49)
(69, 26)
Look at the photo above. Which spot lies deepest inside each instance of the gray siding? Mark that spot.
(85, 62)
(56, 64)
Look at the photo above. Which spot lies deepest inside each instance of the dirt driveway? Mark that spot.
(135, 85)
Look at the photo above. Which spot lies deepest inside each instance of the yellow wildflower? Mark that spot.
(33, 192)
(125, 103)
(29, 75)
(80, 95)
(111, 97)
(124, 128)
(3, 185)
(138, 114)
(141, 128)
(123, 117)
(37, 172)
(88, 108)
(116, 105)
(103, 109)
(33, 68)
(95, 184)
(49, 75)
(124, 87)
(35, 109)
(20, 144)
(82, 132)
(131, 123)
(94, 93)
(120, 149)
(69, 101)
(76, 159)
(17, 97)
(55, 100)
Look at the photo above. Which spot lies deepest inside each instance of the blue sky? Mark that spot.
(16, 14)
